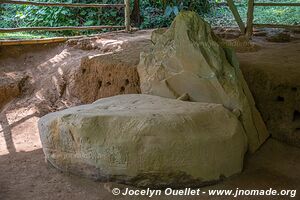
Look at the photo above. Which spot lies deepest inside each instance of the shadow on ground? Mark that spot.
(25, 175)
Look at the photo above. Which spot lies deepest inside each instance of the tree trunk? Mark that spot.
(136, 13)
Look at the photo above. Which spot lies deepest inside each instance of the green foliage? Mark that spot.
(222, 16)
(161, 13)
(278, 15)
(154, 13)
(28, 16)
(26, 35)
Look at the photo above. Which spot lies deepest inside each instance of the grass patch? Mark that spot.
(222, 16)
(24, 35)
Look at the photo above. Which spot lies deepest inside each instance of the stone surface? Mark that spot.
(186, 59)
(145, 140)
(273, 77)
(10, 87)
(104, 76)
(227, 33)
(109, 73)
(280, 107)
(278, 35)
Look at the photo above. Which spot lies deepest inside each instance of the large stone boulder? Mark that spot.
(145, 141)
(188, 60)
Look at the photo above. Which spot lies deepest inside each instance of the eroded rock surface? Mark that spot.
(10, 87)
(104, 76)
(273, 77)
(145, 140)
(279, 36)
(187, 59)
(280, 107)
(111, 72)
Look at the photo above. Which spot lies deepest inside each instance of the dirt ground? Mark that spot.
(50, 86)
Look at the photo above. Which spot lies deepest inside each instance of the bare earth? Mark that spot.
(25, 175)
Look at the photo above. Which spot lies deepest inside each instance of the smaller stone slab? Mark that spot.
(145, 140)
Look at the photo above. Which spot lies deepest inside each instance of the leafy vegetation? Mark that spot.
(222, 16)
(153, 13)
(26, 35)
(161, 13)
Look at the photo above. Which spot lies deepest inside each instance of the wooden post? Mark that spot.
(236, 15)
(250, 17)
(127, 15)
(276, 4)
